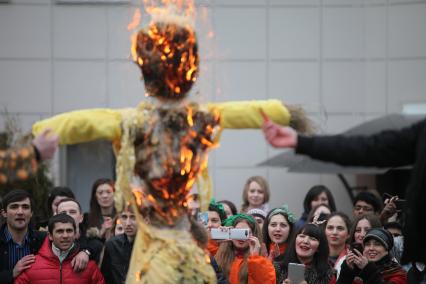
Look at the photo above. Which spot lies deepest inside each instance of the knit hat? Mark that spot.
(381, 235)
(257, 213)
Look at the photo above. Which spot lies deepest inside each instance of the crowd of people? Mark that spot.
(96, 247)
(333, 247)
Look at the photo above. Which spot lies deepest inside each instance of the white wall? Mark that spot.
(345, 61)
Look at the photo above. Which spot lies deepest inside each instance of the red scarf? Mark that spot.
(273, 252)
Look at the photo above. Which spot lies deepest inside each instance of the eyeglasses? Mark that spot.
(363, 208)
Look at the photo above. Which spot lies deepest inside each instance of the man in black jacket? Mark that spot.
(392, 148)
(118, 250)
(18, 241)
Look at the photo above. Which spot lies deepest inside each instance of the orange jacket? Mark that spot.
(260, 270)
(212, 247)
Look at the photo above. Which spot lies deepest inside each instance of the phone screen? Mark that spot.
(219, 233)
(357, 246)
(296, 272)
(239, 234)
(203, 218)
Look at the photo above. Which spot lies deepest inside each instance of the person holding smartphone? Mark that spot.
(374, 264)
(392, 148)
(240, 260)
(361, 225)
(309, 247)
(216, 215)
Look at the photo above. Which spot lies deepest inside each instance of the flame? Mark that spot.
(186, 7)
(189, 117)
(139, 196)
(186, 160)
(135, 20)
(206, 142)
(167, 53)
(175, 45)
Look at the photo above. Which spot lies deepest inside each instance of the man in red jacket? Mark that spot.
(53, 263)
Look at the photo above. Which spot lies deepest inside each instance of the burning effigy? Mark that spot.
(162, 147)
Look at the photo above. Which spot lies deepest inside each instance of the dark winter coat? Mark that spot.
(115, 263)
(36, 240)
(384, 271)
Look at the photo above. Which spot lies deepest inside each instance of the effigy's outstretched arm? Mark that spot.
(92, 124)
(246, 114)
(83, 125)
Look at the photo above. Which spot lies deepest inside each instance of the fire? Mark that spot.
(171, 144)
(135, 20)
(168, 46)
(170, 168)
(168, 57)
(139, 196)
(185, 7)
(189, 117)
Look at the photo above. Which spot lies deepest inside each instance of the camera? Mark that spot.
(229, 234)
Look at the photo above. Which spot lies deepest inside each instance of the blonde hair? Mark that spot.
(261, 181)
(226, 253)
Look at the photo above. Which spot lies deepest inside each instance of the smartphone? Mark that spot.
(400, 203)
(239, 234)
(357, 246)
(296, 272)
(203, 218)
(323, 216)
(219, 234)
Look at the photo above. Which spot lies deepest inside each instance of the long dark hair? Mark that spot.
(231, 206)
(226, 253)
(95, 214)
(313, 193)
(371, 218)
(320, 260)
(265, 232)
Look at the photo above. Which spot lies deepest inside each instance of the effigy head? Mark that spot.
(167, 54)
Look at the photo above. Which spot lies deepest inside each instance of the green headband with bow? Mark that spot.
(230, 221)
(219, 207)
(284, 209)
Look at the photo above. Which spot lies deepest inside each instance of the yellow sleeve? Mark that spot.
(83, 125)
(246, 114)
